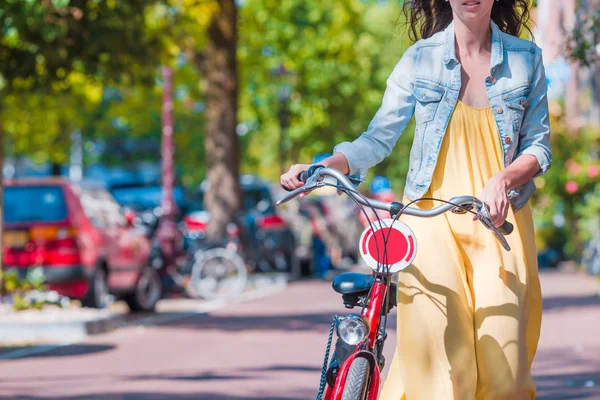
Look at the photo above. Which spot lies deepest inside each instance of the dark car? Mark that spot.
(266, 237)
(145, 200)
(78, 238)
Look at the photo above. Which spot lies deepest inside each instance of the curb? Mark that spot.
(57, 332)
(45, 336)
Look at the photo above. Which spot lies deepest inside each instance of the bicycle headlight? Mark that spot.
(352, 329)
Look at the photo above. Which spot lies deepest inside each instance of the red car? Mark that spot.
(76, 234)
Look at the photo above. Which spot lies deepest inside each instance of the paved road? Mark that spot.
(272, 348)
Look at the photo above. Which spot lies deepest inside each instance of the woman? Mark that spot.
(469, 312)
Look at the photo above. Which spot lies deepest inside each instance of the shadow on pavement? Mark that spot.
(568, 386)
(64, 351)
(298, 368)
(208, 376)
(158, 396)
(237, 374)
(284, 323)
(557, 303)
(564, 374)
(236, 323)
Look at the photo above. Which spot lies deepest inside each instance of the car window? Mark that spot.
(92, 206)
(101, 208)
(196, 202)
(111, 209)
(253, 199)
(142, 198)
(258, 199)
(34, 204)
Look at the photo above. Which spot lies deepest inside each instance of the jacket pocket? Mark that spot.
(428, 98)
(516, 101)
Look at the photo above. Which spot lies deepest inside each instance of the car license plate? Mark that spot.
(15, 239)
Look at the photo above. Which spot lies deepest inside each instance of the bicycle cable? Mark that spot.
(323, 381)
(382, 265)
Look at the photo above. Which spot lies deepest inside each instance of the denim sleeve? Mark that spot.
(535, 131)
(397, 108)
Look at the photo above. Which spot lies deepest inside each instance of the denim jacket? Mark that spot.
(427, 81)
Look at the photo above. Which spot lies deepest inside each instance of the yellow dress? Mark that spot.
(469, 312)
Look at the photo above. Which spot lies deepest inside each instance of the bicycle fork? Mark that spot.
(370, 348)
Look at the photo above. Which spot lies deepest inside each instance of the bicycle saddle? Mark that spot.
(352, 283)
(354, 288)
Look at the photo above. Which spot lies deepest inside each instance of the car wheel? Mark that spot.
(148, 291)
(98, 295)
(306, 268)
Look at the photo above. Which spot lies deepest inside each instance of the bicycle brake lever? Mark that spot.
(463, 209)
(308, 187)
(484, 217)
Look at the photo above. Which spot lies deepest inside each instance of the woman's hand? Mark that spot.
(290, 180)
(495, 195)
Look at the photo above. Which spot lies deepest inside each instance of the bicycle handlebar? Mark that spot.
(313, 179)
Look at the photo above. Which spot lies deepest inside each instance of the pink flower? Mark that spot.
(573, 167)
(571, 187)
(593, 171)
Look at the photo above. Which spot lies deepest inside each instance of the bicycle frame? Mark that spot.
(378, 295)
(366, 349)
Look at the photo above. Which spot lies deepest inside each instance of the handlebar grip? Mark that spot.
(506, 228)
(303, 177)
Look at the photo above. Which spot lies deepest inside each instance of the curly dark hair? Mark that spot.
(428, 17)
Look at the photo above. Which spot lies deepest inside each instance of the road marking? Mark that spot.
(157, 319)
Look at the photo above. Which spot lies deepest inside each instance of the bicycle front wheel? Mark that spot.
(357, 380)
(217, 273)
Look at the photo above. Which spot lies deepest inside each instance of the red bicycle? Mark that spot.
(388, 246)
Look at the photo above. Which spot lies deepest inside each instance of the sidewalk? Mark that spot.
(567, 364)
(56, 326)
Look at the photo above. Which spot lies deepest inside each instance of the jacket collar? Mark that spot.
(497, 46)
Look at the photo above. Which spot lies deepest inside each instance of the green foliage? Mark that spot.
(12, 284)
(567, 204)
(338, 56)
(57, 55)
(40, 125)
(134, 112)
(17, 289)
(586, 37)
(43, 42)
(55, 83)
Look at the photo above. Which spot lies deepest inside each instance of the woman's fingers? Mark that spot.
(505, 208)
(493, 212)
(290, 179)
(499, 213)
(294, 172)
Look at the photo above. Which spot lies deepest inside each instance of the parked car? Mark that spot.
(78, 236)
(265, 237)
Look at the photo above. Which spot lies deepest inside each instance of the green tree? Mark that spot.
(206, 31)
(39, 123)
(133, 113)
(49, 47)
(586, 36)
(338, 56)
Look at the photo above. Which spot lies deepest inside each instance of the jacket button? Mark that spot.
(493, 80)
(524, 103)
(499, 110)
(508, 140)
